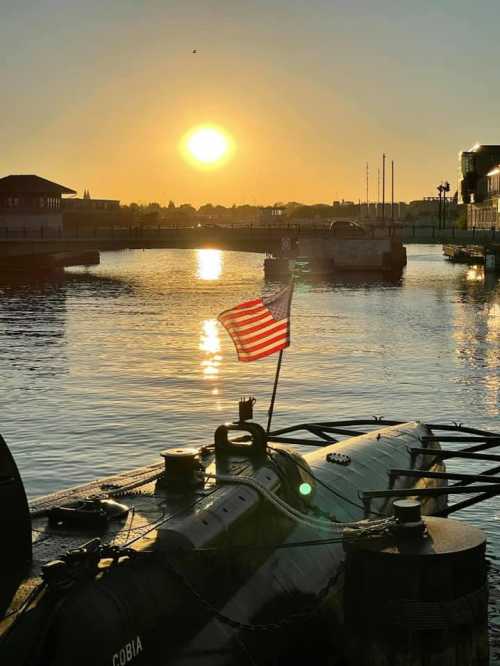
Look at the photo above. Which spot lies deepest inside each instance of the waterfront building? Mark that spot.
(31, 202)
(486, 214)
(272, 214)
(475, 165)
(86, 203)
(479, 186)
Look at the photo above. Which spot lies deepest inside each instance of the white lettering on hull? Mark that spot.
(128, 652)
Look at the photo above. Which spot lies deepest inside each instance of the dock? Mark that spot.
(487, 254)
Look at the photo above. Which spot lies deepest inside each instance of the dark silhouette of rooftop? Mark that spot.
(32, 184)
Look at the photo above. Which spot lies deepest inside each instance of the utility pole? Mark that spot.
(392, 191)
(383, 187)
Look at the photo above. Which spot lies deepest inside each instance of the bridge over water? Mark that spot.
(43, 249)
(25, 242)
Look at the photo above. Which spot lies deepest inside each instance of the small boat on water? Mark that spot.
(232, 553)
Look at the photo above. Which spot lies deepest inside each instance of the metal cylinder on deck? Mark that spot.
(181, 468)
(418, 596)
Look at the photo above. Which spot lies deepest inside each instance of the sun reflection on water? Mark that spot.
(209, 264)
(210, 345)
(475, 274)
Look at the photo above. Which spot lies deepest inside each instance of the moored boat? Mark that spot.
(231, 553)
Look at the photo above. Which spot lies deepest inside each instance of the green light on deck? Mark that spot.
(305, 489)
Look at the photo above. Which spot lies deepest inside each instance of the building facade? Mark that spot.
(486, 214)
(88, 204)
(29, 202)
(480, 185)
(475, 165)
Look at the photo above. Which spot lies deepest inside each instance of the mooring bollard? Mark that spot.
(418, 596)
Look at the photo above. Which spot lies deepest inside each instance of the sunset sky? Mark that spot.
(99, 94)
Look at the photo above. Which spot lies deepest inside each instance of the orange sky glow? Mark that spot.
(307, 92)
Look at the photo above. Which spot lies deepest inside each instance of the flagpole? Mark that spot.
(273, 398)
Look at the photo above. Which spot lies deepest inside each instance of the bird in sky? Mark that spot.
(195, 50)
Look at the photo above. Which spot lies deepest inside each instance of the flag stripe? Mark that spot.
(246, 326)
(250, 328)
(242, 313)
(261, 326)
(278, 329)
(263, 354)
(247, 304)
(242, 306)
(264, 343)
(242, 316)
(268, 330)
(250, 320)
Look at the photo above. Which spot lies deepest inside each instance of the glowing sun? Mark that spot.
(207, 145)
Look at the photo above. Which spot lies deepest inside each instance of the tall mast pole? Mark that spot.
(378, 191)
(383, 187)
(367, 199)
(392, 191)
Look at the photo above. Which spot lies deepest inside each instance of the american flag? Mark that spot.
(259, 327)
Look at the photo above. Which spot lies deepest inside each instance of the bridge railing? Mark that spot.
(407, 233)
(430, 233)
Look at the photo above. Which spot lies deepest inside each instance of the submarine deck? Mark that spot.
(151, 508)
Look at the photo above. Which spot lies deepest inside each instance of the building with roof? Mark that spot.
(480, 186)
(475, 164)
(31, 202)
(486, 213)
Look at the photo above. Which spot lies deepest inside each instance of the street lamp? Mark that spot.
(442, 188)
(440, 209)
(446, 188)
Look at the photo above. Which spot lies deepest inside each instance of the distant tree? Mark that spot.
(171, 205)
(206, 209)
(186, 211)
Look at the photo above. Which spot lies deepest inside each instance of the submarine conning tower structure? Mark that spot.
(230, 553)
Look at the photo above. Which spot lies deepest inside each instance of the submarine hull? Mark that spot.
(213, 573)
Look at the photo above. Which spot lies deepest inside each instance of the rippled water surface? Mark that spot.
(103, 368)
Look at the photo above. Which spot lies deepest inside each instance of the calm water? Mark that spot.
(106, 367)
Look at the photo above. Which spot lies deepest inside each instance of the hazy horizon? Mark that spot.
(99, 95)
